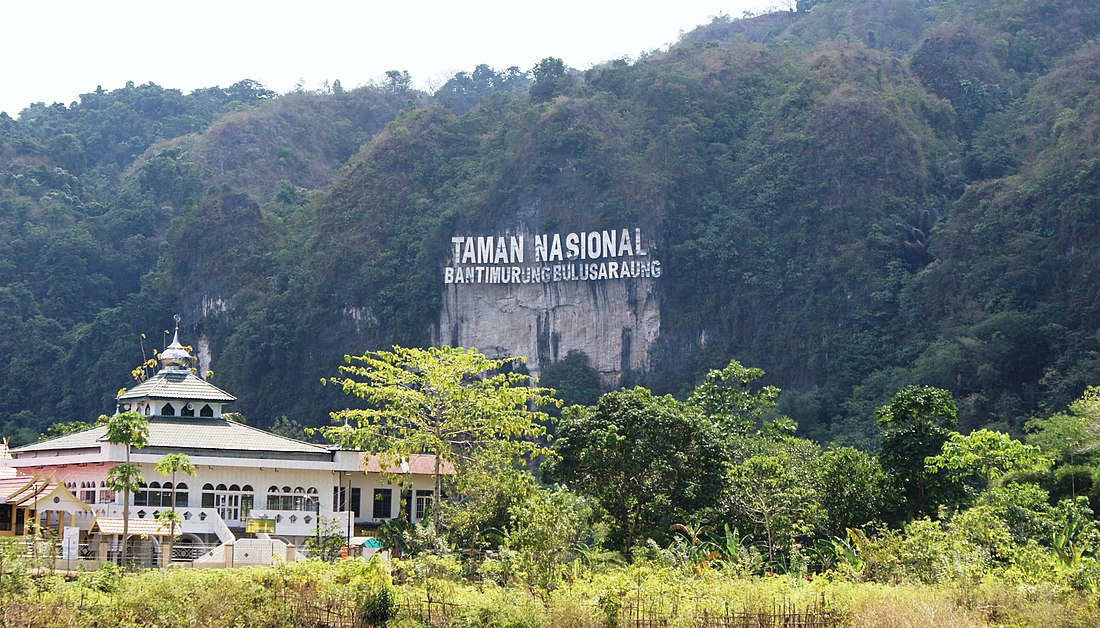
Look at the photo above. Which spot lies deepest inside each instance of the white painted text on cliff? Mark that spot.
(550, 257)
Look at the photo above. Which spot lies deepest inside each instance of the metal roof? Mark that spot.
(189, 433)
(175, 385)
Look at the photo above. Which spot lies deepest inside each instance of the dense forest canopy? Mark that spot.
(856, 196)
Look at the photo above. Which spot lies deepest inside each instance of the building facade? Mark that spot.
(249, 484)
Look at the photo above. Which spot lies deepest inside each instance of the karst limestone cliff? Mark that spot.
(615, 320)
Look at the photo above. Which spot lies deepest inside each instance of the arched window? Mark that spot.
(181, 495)
(168, 410)
(106, 495)
(286, 498)
(141, 498)
(208, 495)
(206, 410)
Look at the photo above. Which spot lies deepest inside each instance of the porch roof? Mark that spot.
(140, 527)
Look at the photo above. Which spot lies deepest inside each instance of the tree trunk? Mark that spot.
(172, 530)
(125, 513)
(436, 494)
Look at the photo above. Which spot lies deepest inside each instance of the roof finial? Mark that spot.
(176, 357)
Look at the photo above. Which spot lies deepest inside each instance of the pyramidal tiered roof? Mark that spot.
(176, 385)
(175, 381)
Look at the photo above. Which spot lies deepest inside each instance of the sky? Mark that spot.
(55, 50)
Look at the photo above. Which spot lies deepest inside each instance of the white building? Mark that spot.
(246, 478)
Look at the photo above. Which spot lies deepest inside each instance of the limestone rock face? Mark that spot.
(614, 321)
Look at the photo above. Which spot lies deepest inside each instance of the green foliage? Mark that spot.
(549, 78)
(987, 454)
(453, 403)
(726, 397)
(543, 530)
(770, 492)
(127, 428)
(479, 511)
(330, 539)
(645, 460)
(917, 423)
(1070, 436)
(855, 490)
(64, 428)
(573, 379)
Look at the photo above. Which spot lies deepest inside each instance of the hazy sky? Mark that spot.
(55, 50)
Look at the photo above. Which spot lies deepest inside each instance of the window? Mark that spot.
(286, 498)
(160, 495)
(141, 497)
(187, 410)
(423, 504)
(339, 499)
(356, 497)
(206, 410)
(5, 517)
(168, 410)
(88, 492)
(106, 495)
(181, 495)
(233, 502)
(383, 503)
(208, 496)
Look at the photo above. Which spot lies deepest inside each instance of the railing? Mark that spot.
(187, 551)
(193, 520)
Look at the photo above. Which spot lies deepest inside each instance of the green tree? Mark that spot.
(726, 396)
(853, 489)
(543, 529)
(648, 461)
(550, 78)
(451, 402)
(485, 495)
(771, 493)
(169, 466)
(573, 379)
(1070, 437)
(132, 430)
(917, 422)
(987, 454)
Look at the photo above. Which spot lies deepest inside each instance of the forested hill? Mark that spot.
(855, 196)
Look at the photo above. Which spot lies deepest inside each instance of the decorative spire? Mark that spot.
(176, 358)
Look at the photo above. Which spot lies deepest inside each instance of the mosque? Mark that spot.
(256, 496)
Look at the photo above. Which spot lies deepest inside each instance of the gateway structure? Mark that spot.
(255, 495)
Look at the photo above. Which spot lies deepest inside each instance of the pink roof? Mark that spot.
(138, 527)
(33, 490)
(416, 464)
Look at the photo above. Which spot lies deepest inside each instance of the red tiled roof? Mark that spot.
(139, 527)
(416, 464)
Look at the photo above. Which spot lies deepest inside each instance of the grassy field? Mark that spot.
(433, 591)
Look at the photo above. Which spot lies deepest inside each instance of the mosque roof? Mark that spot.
(190, 433)
(177, 385)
